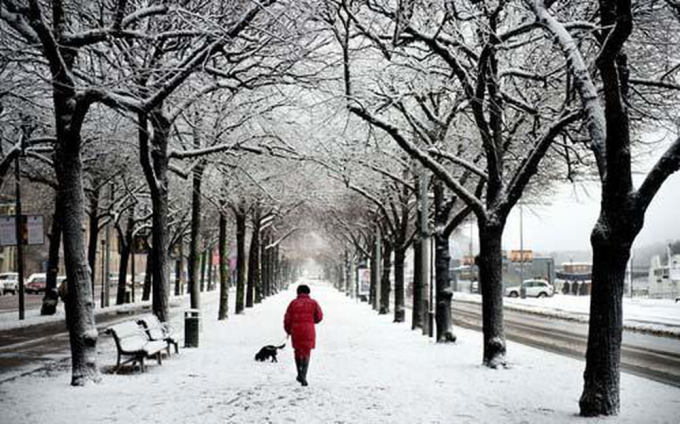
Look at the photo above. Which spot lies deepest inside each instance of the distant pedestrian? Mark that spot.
(301, 316)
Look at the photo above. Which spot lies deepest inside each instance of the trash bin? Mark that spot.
(191, 327)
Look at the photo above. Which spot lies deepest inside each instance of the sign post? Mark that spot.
(19, 239)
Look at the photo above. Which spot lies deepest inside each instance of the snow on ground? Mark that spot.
(662, 315)
(365, 370)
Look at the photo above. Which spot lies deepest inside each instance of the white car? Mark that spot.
(532, 288)
(9, 282)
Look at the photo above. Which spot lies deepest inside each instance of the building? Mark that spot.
(574, 278)
(542, 268)
(664, 276)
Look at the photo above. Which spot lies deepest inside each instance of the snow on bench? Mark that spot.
(131, 340)
(157, 330)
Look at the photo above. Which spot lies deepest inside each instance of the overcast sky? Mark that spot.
(567, 222)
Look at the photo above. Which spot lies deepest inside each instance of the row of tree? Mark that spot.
(348, 130)
(498, 100)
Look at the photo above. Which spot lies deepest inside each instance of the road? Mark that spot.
(645, 355)
(10, 302)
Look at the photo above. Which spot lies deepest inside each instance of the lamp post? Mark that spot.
(521, 252)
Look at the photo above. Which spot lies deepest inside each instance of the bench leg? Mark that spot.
(176, 347)
(160, 361)
(115, 370)
(141, 362)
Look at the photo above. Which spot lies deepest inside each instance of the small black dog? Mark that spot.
(267, 352)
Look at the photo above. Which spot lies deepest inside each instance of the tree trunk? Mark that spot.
(444, 292)
(418, 316)
(240, 261)
(442, 260)
(178, 273)
(603, 356)
(385, 287)
(224, 270)
(126, 247)
(155, 165)
(93, 215)
(254, 263)
(49, 305)
(264, 262)
(399, 297)
(80, 302)
(210, 269)
(348, 273)
(194, 243)
(276, 276)
(375, 270)
(490, 261)
(203, 268)
(148, 277)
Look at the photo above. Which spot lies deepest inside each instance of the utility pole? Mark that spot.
(630, 283)
(521, 252)
(430, 320)
(132, 268)
(424, 250)
(107, 254)
(20, 236)
(104, 276)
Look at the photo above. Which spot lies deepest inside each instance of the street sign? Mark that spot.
(32, 229)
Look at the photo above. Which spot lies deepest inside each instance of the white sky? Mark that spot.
(567, 222)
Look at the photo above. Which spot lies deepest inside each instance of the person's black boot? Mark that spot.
(298, 365)
(303, 374)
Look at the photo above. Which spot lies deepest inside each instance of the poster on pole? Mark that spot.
(32, 230)
(364, 278)
(8, 234)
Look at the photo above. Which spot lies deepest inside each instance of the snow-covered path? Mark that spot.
(365, 370)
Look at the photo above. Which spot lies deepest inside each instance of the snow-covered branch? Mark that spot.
(595, 119)
(664, 167)
(422, 157)
(434, 151)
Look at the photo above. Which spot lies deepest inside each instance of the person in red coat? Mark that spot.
(301, 316)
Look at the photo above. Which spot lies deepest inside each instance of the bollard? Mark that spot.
(191, 327)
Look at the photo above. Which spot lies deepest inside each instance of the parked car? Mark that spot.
(532, 288)
(9, 282)
(36, 283)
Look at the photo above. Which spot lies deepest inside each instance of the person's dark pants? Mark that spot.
(302, 357)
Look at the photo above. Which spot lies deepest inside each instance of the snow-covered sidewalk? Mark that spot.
(365, 370)
(660, 316)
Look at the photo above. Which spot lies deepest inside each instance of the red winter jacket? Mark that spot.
(301, 315)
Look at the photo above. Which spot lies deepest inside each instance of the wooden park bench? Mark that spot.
(131, 340)
(159, 331)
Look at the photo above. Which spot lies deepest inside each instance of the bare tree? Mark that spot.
(623, 206)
